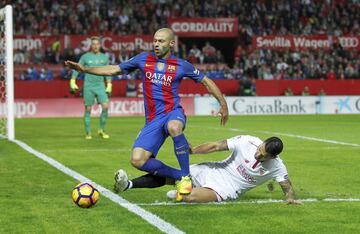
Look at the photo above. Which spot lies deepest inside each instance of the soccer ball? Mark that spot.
(85, 195)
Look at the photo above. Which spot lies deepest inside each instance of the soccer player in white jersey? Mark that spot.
(251, 163)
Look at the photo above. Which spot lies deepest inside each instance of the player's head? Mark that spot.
(269, 149)
(164, 40)
(95, 44)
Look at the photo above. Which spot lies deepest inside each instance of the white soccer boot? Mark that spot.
(121, 181)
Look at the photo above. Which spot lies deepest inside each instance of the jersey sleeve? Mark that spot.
(233, 142)
(281, 174)
(192, 72)
(82, 63)
(131, 64)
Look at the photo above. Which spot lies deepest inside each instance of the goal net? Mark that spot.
(6, 74)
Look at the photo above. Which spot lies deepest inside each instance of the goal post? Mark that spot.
(7, 125)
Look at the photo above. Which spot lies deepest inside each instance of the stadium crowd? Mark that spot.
(261, 17)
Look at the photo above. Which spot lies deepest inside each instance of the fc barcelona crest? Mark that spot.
(160, 66)
(171, 68)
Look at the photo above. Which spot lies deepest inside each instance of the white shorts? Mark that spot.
(214, 179)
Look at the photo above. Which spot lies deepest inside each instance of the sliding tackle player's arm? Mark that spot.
(107, 70)
(209, 147)
(289, 192)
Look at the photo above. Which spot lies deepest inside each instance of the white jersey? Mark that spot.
(240, 171)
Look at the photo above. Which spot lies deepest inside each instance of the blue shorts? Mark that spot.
(153, 134)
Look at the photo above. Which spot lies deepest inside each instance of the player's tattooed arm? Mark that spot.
(209, 147)
(289, 192)
(215, 91)
(107, 70)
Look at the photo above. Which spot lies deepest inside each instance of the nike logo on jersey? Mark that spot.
(148, 65)
(196, 72)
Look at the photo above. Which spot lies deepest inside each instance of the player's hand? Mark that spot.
(73, 86)
(190, 149)
(294, 202)
(109, 89)
(74, 65)
(224, 113)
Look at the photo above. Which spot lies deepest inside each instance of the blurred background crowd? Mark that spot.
(138, 17)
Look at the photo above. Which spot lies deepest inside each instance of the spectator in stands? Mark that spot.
(247, 87)
(46, 74)
(349, 71)
(32, 73)
(19, 56)
(38, 56)
(288, 92)
(238, 53)
(196, 55)
(65, 73)
(305, 91)
(331, 75)
(321, 92)
(24, 75)
(111, 55)
(131, 88)
(123, 56)
(182, 53)
(209, 53)
(267, 75)
(219, 57)
(49, 56)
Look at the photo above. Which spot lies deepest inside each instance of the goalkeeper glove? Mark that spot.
(73, 86)
(108, 89)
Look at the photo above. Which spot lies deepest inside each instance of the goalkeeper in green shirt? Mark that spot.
(94, 87)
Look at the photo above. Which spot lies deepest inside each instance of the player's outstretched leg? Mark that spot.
(87, 121)
(142, 160)
(181, 149)
(122, 183)
(197, 195)
(103, 118)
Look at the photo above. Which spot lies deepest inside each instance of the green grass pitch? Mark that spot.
(36, 198)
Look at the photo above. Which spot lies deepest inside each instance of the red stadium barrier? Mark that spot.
(74, 107)
(331, 87)
(60, 88)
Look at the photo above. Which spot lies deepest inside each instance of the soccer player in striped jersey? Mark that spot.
(162, 73)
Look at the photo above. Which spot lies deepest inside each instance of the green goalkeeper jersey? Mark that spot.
(90, 59)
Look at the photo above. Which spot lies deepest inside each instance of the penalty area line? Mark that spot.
(301, 137)
(151, 218)
(265, 201)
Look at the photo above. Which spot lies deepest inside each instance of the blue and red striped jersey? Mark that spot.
(161, 79)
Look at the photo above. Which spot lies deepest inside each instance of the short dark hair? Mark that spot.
(95, 38)
(273, 146)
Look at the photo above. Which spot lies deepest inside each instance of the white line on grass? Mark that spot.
(265, 201)
(301, 137)
(151, 218)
